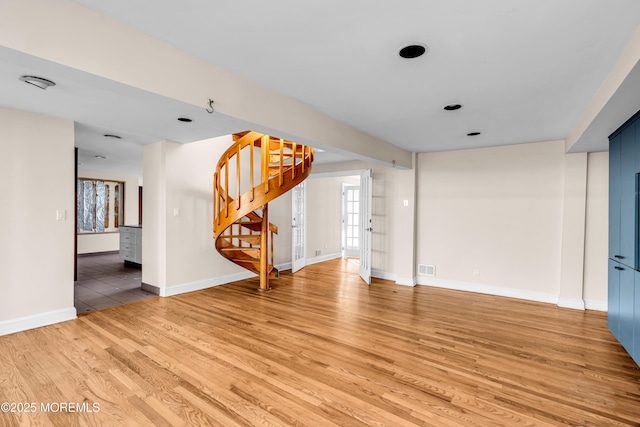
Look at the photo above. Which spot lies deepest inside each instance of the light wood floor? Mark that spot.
(323, 349)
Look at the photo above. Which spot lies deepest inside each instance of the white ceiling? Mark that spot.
(525, 70)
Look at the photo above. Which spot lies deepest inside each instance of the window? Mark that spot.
(100, 205)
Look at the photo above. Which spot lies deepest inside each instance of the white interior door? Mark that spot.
(351, 221)
(366, 180)
(298, 227)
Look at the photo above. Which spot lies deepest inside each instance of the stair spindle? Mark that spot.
(251, 169)
(238, 169)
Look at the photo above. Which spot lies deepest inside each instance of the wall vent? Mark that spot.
(427, 270)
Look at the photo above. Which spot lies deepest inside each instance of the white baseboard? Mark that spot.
(574, 303)
(490, 290)
(37, 320)
(284, 266)
(323, 258)
(596, 305)
(378, 274)
(198, 285)
(404, 281)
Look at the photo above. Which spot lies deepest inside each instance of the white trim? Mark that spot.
(574, 303)
(383, 275)
(403, 281)
(198, 285)
(353, 172)
(590, 304)
(406, 281)
(37, 320)
(490, 290)
(206, 283)
(284, 266)
(323, 258)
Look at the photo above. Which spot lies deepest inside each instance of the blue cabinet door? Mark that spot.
(613, 315)
(636, 319)
(627, 303)
(628, 196)
(614, 197)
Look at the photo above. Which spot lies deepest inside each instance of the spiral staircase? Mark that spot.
(255, 170)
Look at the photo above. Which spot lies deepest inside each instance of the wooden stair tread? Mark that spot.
(251, 225)
(249, 238)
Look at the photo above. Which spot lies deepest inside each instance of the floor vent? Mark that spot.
(427, 270)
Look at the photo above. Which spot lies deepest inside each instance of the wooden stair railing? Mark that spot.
(265, 168)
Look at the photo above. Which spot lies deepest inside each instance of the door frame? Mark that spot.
(296, 224)
(350, 172)
(347, 251)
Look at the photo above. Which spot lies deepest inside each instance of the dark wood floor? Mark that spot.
(324, 349)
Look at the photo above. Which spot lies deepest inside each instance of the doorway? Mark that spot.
(339, 218)
(350, 221)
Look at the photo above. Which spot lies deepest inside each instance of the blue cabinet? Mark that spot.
(613, 303)
(624, 263)
(636, 319)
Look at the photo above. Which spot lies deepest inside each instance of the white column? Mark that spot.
(573, 231)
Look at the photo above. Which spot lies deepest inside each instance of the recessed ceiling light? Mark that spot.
(37, 81)
(473, 133)
(412, 51)
(452, 107)
(184, 119)
(98, 156)
(108, 135)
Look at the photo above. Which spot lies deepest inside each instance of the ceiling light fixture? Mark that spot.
(412, 51)
(108, 135)
(37, 82)
(452, 107)
(184, 119)
(473, 133)
(98, 156)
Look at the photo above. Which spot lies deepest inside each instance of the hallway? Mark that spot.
(104, 281)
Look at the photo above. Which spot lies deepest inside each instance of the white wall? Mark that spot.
(36, 250)
(596, 234)
(324, 216)
(103, 242)
(495, 210)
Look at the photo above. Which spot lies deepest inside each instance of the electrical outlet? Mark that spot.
(476, 272)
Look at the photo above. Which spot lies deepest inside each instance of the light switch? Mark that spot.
(176, 211)
(405, 203)
(61, 215)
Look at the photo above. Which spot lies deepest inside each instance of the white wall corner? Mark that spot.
(406, 281)
(596, 305)
(203, 284)
(574, 303)
(490, 290)
(37, 320)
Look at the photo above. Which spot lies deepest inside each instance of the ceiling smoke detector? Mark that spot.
(37, 82)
